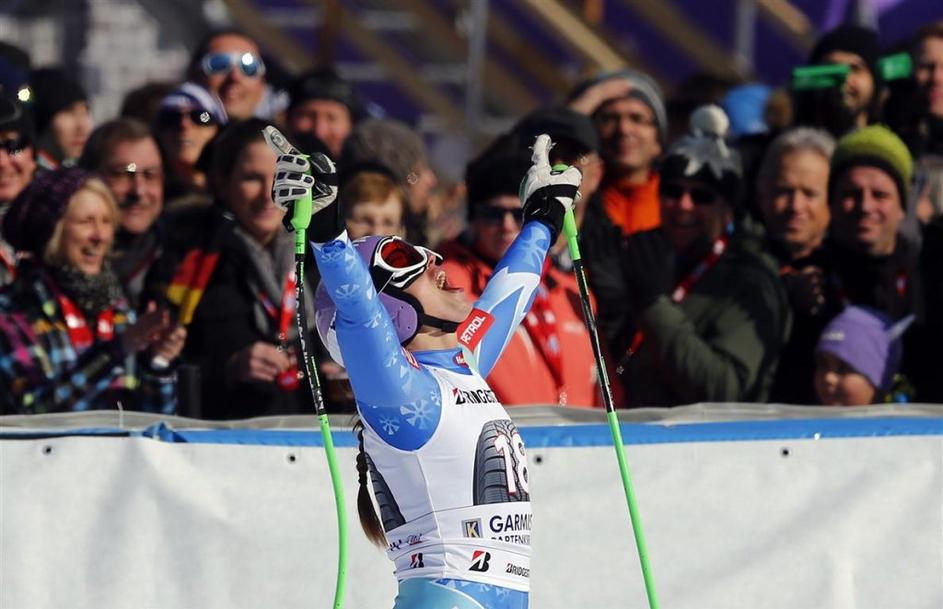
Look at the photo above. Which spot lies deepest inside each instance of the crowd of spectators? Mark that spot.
(764, 246)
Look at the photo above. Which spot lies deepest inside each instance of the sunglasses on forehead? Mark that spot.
(171, 118)
(699, 194)
(249, 64)
(130, 171)
(399, 263)
(495, 215)
(13, 145)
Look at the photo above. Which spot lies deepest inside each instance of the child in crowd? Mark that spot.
(374, 204)
(857, 358)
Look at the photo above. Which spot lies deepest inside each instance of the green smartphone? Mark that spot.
(825, 76)
(896, 66)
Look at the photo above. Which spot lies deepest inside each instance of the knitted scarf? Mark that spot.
(92, 294)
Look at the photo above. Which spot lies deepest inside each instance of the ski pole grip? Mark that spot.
(569, 231)
(300, 219)
(569, 222)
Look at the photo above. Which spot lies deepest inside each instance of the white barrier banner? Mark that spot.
(118, 522)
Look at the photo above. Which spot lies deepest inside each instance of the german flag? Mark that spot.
(189, 282)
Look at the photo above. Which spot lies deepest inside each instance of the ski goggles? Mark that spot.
(215, 64)
(399, 263)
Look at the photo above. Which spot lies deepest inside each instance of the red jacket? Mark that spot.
(525, 372)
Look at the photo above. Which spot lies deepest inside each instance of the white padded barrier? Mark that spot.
(742, 506)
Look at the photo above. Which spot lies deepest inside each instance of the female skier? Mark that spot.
(447, 465)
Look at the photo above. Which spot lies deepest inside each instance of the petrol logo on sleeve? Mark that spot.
(471, 331)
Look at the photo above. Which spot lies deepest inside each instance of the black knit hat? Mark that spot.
(29, 223)
(325, 83)
(53, 91)
(14, 69)
(703, 154)
(861, 41)
(497, 171)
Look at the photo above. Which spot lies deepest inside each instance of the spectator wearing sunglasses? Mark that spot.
(228, 63)
(551, 349)
(709, 311)
(324, 105)
(126, 154)
(62, 116)
(17, 165)
(188, 118)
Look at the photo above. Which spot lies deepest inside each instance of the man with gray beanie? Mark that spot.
(629, 113)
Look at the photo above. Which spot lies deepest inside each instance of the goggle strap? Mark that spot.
(446, 326)
(424, 319)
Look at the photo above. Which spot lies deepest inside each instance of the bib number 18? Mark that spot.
(515, 462)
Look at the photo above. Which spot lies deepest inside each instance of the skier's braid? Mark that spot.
(369, 521)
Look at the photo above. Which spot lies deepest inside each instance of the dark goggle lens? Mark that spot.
(171, 118)
(399, 254)
(14, 145)
(495, 215)
(699, 195)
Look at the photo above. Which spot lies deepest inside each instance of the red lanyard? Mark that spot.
(287, 379)
(286, 312)
(681, 291)
(8, 261)
(79, 333)
(900, 282)
(684, 286)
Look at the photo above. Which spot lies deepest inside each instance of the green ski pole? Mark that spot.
(571, 234)
(301, 218)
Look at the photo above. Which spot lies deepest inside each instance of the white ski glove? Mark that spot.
(547, 194)
(297, 174)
